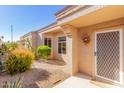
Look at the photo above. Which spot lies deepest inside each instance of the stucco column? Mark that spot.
(72, 33)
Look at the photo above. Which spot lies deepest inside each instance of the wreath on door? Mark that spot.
(86, 38)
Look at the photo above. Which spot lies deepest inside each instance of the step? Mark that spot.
(103, 84)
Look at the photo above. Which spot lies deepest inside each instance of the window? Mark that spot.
(62, 45)
(47, 42)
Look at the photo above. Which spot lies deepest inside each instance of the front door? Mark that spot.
(108, 52)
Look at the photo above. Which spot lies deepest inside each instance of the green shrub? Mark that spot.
(44, 51)
(19, 61)
(36, 55)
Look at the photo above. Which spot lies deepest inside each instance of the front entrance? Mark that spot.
(108, 55)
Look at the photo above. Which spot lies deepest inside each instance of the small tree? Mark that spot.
(29, 44)
(44, 52)
(30, 47)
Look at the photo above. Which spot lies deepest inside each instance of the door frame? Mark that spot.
(121, 54)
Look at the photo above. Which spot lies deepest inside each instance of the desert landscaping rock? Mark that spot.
(41, 75)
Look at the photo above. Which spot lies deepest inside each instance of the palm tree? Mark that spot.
(2, 37)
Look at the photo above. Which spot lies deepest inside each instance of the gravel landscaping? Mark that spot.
(41, 75)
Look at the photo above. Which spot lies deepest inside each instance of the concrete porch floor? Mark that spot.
(78, 81)
(82, 81)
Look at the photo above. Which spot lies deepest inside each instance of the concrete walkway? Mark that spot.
(52, 65)
(78, 81)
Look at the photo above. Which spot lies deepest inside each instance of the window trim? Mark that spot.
(47, 43)
(62, 42)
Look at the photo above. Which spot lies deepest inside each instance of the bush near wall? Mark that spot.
(44, 52)
(19, 60)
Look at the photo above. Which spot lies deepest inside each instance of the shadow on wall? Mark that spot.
(39, 40)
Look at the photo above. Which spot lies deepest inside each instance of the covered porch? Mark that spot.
(54, 37)
(83, 81)
(84, 24)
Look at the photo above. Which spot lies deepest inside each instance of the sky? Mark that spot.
(25, 19)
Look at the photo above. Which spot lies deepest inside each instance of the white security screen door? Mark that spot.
(108, 58)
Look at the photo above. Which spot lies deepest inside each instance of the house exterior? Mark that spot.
(89, 38)
(31, 38)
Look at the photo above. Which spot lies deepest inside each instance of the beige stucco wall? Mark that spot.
(35, 41)
(72, 33)
(33, 37)
(86, 54)
(55, 47)
(39, 39)
(25, 38)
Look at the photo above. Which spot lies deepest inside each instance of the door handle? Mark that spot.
(95, 53)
